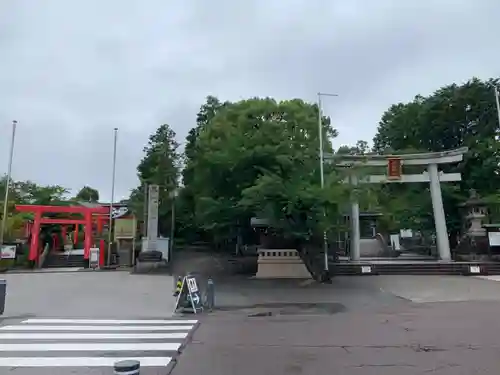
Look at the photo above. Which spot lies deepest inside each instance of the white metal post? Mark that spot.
(321, 151)
(321, 170)
(322, 177)
(7, 186)
(173, 196)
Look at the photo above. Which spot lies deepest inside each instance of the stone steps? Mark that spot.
(64, 261)
(415, 268)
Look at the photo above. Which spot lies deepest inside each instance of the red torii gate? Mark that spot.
(87, 212)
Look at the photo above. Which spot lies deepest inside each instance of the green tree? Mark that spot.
(159, 166)
(32, 193)
(452, 117)
(361, 148)
(28, 192)
(88, 194)
(259, 157)
(185, 208)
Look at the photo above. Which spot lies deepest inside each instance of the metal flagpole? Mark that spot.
(322, 176)
(7, 186)
(145, 212)
(320, 132)
(110, 229)
(173, 195)
(321, 168)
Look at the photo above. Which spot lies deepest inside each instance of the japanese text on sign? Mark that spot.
(191, 283)
(394, 169)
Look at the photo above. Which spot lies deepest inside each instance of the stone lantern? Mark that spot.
(473, 244)
(476, 213)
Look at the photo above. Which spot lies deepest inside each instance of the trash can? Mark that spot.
(3, 293)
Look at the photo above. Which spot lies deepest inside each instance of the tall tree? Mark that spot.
(159, 166)
(205, 115)
(185, 208)
(259, 157)
(452, 117)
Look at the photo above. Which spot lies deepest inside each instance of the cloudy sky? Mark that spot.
(72, 70)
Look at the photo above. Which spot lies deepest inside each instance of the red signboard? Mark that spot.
(394, 169)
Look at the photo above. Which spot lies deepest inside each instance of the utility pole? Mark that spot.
(7, 185)
(110, 229)
(321, 169)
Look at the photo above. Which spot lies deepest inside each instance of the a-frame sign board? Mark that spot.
(189, 298)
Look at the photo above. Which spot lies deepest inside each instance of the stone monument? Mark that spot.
(277, 259)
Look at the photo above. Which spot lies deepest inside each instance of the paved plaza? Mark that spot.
(81, 322)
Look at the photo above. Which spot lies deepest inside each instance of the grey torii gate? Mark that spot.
(394, 173)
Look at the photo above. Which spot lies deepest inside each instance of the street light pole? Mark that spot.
(110, 229)
(321, 151)
(7, 185)
(322, 173)
(497, 101)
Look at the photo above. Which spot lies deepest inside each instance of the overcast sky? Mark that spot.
(71, 71)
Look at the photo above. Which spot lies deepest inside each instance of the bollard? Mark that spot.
(3, 294)
(128, 367)
(210, 294)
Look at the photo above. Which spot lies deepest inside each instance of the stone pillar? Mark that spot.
(355, 232)
(442, 242)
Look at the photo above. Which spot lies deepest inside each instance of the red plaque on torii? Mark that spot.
(394, 168)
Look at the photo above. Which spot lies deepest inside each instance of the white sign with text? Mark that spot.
(9, 252)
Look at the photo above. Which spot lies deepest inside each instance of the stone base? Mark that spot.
(151, 267)
(281, 264)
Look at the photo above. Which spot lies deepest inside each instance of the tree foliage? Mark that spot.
(187, 225)
(88, 194)
(159, 166)
(452, 117)
(27, 192)
(257, 157)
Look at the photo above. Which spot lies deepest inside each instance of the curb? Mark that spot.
(55, 270)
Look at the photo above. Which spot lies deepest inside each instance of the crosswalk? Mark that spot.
(36, 343)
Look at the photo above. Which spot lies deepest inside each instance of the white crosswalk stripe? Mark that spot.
(36, 343)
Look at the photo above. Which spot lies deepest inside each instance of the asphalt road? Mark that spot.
(375, 325)
(111, 294)
(53, 320)
(357, 325)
